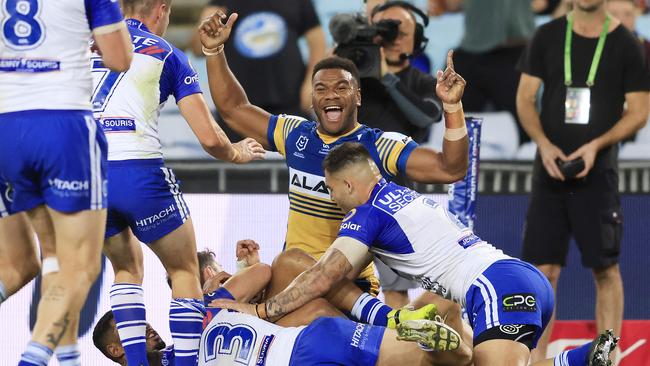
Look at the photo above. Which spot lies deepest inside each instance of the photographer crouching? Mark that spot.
(396, 96)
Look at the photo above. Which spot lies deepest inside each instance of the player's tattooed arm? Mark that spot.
(314, 282)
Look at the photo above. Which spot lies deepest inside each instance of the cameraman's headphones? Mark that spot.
(419, 40)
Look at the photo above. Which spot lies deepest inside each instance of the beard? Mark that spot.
(590, 8)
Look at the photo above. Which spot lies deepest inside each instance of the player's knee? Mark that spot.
(30, 268)
(607, 274)
(293, 258)
(453, 312)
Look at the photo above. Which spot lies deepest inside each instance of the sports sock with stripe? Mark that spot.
(370, 310)
(36, 354)
(186, 324)
(127, 304)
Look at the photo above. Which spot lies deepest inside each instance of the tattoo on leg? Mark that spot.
(55, 337)
(55, 293)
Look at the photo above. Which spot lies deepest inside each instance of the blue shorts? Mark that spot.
(510, 292)
(53, 157)
(337, 341)
(145, 196)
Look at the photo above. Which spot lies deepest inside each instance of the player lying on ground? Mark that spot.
(509, 301)
(327, 340)
(285, 267)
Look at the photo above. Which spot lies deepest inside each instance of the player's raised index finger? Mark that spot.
(450, 59)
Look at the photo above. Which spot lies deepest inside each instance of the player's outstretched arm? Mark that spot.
(212, 138)
(429, 166)
(345, 258)
(244, 285)
(227, 94)
(114, 44)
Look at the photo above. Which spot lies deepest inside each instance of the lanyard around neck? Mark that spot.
(594, 62)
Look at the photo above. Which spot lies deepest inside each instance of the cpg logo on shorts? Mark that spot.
(519, 302)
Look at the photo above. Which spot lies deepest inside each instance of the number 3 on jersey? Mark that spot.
(106, 81)
(21, 27)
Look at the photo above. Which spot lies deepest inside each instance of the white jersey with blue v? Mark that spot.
(419, 239)
(45, 88)
(128, 104)
(45, 52)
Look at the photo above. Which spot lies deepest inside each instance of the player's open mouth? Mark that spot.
(333, 113)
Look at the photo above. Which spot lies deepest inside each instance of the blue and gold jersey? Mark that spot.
(314, 219)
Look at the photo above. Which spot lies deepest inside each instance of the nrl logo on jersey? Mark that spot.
(301, 143)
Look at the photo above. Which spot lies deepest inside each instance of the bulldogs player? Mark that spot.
(145, 201)
(53, 153)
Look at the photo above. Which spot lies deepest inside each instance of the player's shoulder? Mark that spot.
(297, 120)
(391, 198)
(393, 136)
(148, 44)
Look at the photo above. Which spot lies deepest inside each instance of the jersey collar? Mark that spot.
(134, 23)
(328, 139)
(378, 187)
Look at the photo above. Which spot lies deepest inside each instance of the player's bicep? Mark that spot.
(356, 254)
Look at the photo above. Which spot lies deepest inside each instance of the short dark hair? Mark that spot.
(343, 155)
(335, 62)
(206, 258)
(99, 334)
(141, 7)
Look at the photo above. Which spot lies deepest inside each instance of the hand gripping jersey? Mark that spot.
(45, 54)
(419, 239)
(314, 218)
(128, 104)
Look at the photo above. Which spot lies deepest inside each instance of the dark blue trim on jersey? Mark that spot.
(221, 293)
(273, 121)
(404, 156)
(102, 12)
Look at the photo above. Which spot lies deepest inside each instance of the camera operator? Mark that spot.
(404, 99)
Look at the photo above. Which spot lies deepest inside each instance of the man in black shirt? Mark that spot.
(404, 101)
(581, 118)
(264, 53)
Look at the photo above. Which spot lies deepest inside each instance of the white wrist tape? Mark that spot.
(241, 265)
(50, 265)
(212, 51)
(455, 134)
(452, 108)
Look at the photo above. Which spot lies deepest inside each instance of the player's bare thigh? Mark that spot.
(18, 254)
(125, 253)
(308, 313)
(177, 252)
(501, 352)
